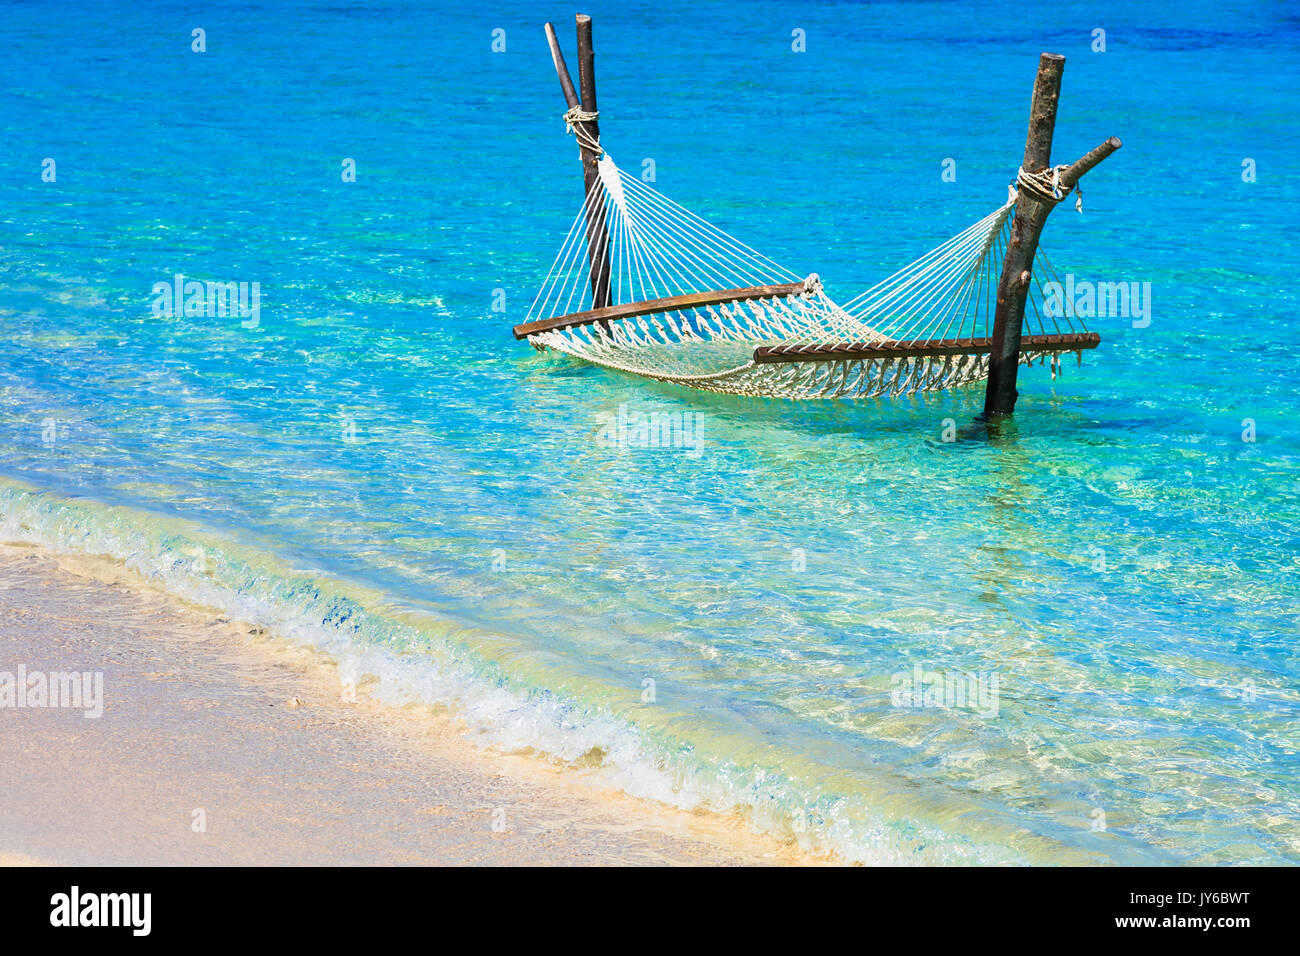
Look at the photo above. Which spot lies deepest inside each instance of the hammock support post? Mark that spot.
(588, 131)
(1031, 215)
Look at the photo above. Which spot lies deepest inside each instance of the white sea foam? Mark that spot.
(402, 659)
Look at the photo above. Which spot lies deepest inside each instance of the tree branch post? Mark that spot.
(1031, 215)
(1017, 267)
(588, 132)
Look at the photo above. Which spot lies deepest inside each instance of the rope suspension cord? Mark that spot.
(577, 115)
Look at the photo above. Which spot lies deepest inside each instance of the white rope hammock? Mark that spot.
(688, 303)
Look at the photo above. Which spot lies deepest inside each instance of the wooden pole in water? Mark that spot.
(597, 237)
(1017, 268)
(588, 132)
(1031, 215)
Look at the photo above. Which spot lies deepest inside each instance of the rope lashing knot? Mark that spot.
(812, 285)
(1046, 185)
(576, 115)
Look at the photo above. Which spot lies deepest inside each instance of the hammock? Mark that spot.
(682, 301)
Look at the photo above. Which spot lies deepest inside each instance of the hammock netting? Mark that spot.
(794, 341)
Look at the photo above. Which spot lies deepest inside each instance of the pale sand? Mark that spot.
(199, 714)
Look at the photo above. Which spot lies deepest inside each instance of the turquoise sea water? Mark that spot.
(378, 469)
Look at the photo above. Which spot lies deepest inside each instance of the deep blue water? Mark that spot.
(380, 469)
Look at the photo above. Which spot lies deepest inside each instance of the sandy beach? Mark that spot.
(222, 745)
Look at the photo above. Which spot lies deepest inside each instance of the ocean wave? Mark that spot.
(405, 656)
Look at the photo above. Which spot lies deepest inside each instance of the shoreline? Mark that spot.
(221, 744)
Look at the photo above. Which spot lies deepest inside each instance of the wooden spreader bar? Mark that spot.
(1062, 342)
(673, 303)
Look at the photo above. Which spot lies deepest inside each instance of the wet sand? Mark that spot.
(220, 745)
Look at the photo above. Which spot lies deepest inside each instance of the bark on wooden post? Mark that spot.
(597, 237)
(1031, 215)
(588, 132)
(1017, 267)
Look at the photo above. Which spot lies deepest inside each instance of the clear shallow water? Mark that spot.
(1121, 560)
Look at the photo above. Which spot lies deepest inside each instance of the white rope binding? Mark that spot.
(1046, 185)
(573, 120)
